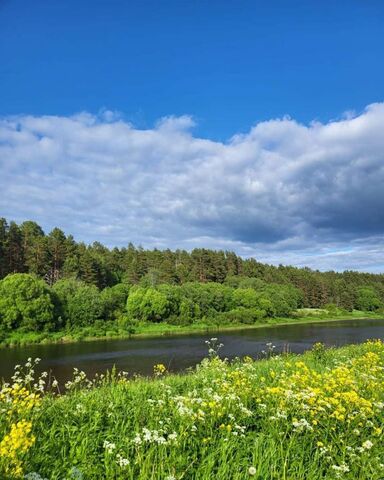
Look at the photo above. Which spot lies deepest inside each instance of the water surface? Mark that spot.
(180, 352)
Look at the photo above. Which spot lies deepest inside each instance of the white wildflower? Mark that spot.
(343, 468)
(252, 471)
(109, 446)
(367, 445)
(121, 461)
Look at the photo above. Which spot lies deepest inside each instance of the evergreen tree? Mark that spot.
(14, 254)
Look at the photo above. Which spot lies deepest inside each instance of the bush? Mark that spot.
(114, 300)
(25, 303)
(85, 306)
(209, 297)
(62, 292)
(367, 299)
(148, 304)
(250, 299)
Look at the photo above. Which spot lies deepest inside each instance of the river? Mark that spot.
(137, 356)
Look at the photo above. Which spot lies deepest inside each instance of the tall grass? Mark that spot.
(319, 415)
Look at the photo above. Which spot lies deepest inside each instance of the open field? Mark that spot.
(319, 415)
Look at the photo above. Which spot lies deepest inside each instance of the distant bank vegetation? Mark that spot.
(50, 283)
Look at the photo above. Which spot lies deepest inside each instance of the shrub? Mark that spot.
(25, 303)
(148, 304)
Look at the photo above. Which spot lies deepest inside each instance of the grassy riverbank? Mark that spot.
(318, 415)
(111, 330)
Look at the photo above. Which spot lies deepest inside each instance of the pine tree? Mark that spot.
(14, 250)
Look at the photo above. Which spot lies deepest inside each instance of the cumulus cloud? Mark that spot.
(283, 192)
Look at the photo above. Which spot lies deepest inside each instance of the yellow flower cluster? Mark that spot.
(342, 399)
(16, 443)
(18, 399)
(159, 369)
(17, 404)
(345, 393)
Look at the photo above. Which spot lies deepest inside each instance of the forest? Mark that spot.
(50, 282)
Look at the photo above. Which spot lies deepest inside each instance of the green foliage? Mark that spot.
(238, 315)
(85, 306)
(25, 303)
(176, 287)
(367, 299)
(189, 312)
(148, 304)
(114, 300)
(209, 297)
(250, 299)
(63, 291)
(222, 421)
(76, 303)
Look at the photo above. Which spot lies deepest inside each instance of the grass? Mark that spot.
(106, 330)
(317, 415)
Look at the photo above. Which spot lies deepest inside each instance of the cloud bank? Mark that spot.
(283, 192)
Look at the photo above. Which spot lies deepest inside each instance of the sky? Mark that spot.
(250, 126)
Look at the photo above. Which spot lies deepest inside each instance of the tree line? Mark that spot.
(27, 303)
(164, 285)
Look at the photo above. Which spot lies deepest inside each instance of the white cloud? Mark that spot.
(285, 192)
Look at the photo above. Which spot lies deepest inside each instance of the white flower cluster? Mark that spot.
(121, 461)
(79, 380)
(160, 437)
(109, 446)
(301, 425)
(340, 469)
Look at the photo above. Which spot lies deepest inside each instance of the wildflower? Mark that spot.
(109, 446)
(76, 474)
(17, 442)
(343, 468)
(367, 445)
(121, 461)
(159, 369)
(34, 476)
(301, 425)
(252, 471)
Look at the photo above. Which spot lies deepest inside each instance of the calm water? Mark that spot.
(180, 352)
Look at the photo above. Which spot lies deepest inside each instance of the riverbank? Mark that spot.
(223, 420)
(111, 331)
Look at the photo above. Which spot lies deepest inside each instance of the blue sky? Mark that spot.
(229, 124)
(227, 63)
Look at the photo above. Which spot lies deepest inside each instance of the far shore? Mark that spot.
(162, 329)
